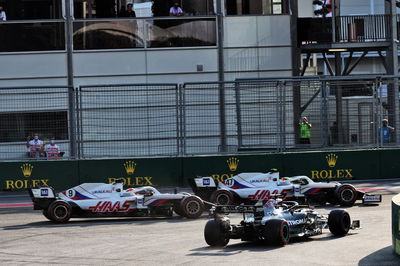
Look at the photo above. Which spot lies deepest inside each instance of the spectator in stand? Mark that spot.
(129, 12)
(305, 131)
(52, 150)
(175, 10)
(3, 16)
(385, 131)
(35, 146)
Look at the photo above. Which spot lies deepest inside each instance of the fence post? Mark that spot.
(180, 119)
(238, 114)
(70, 78)
(324, 115)
(72, 122)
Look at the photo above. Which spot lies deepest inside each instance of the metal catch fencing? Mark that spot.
(128, 120)
(143, 120)
(26, 112)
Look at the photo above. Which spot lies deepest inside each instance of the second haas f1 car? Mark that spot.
(274, 224)
(111, 200)
(251, 187)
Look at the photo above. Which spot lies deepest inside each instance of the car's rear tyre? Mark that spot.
(276, 232)
(178, 208)
(192, 207)
(59, 211)
(346, 195)
(331, 197)
(215, 235)
(222, 197)
(45, 213)
(339, 222)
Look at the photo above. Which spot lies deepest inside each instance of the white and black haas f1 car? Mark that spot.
(111, 200)
(251, 187)
(276, 225)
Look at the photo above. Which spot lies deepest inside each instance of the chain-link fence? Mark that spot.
(30, 118)
(140, 120)
(128, 120)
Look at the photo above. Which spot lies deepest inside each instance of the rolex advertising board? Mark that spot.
(132, 172)
(170, 172)
(333, 165)
(23, 175)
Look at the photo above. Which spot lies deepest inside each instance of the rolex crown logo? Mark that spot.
(130, 167)
(233, 163)
(27, 169)
(331, 159)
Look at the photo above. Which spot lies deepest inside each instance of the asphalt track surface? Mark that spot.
(27, 238)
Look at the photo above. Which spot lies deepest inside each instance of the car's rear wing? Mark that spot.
(42, 197)
(227, 209)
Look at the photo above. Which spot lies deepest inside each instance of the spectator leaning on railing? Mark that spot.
(175, 10)
(129, 12)
(35, 146)
(52, 150)
(3, 16)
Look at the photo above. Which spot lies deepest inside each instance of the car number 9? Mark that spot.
(70, 193)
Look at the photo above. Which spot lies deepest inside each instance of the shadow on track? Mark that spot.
(232, 249)
(384, 256)
(256, 246)
(90, 222)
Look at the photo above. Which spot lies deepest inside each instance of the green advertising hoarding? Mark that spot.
(159, 172)
(23, 175)
(171, 171)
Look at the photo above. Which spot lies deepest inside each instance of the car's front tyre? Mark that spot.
(346, 195)
(191, 207)
(339, 222)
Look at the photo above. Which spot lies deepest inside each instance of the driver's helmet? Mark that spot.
(270, 205)
(284, 181)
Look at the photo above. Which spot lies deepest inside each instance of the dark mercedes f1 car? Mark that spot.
(274, 225)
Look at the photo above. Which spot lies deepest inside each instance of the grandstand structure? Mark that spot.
(228, 77)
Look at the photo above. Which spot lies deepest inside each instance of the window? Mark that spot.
(15, 127)
(254, 7)
(276, 6)
(38, 9)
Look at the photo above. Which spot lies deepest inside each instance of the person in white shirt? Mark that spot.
(52, 150)
(35, 146)
(175, 10)
(3, 16)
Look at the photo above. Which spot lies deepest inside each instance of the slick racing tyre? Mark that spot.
(346, 195)
(222, 197)
(339, 222)
(178, 209)
(46, 214)
(59, 211)
(192, 207)
(276, 232)
(216, 233)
